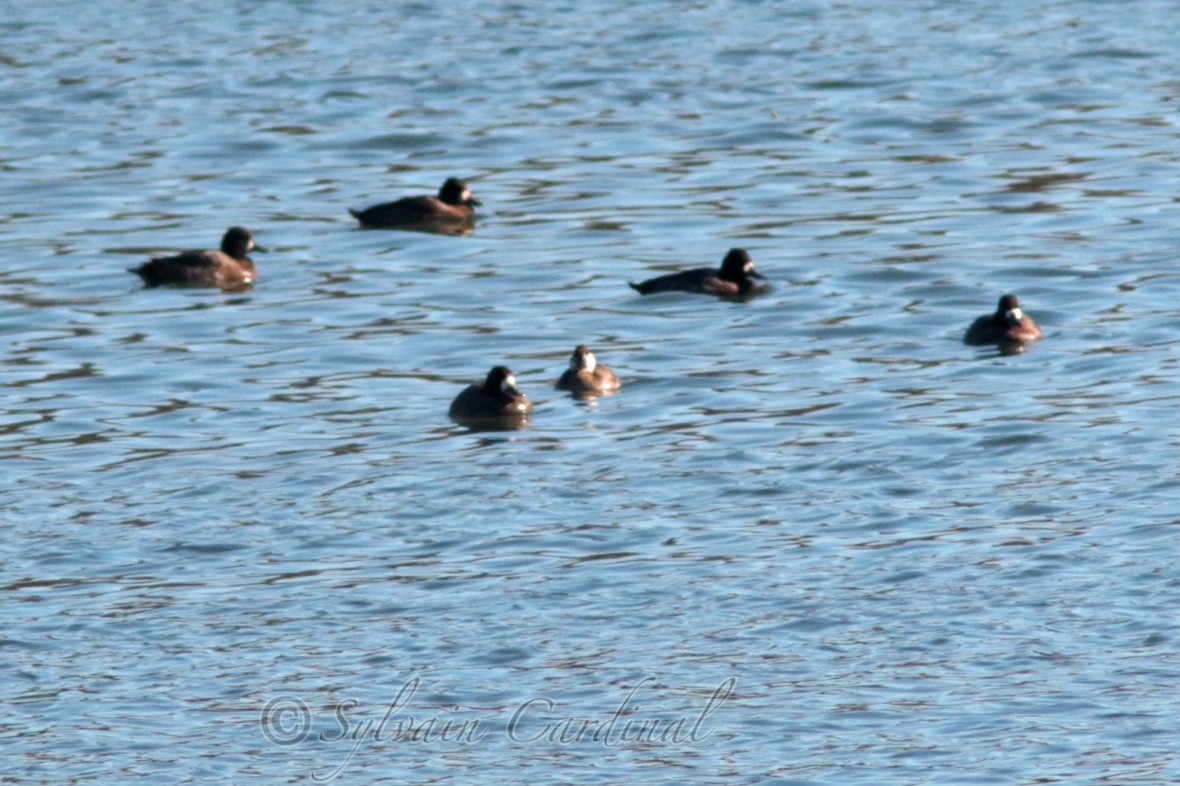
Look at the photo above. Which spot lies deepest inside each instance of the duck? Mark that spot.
(733, 279)
(497, 398)
(228, 268)
(454, 204)
(585, 375)
(1009, 325)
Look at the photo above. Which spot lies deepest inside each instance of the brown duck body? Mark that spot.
(1008, 325)
(454, 204)
(733, 279)
(228, 268)
(496, 398)
(586, 375)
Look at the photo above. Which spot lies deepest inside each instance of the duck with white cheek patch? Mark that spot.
(453, 205)
(497, 398)
(228, 268)
(586, 376)
(734, 279)
(1008, 326)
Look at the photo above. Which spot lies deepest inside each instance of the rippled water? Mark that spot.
(815, 539)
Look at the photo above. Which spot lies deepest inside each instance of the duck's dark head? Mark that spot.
(1009, 311)
(456, 192)
(500, 382)
(583, 359)
(737, 266)
(238, 242)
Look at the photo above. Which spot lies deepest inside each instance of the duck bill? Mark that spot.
(752, 273)
(473, 201)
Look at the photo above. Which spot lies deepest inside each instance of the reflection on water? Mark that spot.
(429, 227)
(908, 555)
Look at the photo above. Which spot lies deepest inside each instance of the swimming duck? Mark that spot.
(454, 203)
(1009, 325)
(228, 268)
(733, 279)
(585, 375)
(496, 398)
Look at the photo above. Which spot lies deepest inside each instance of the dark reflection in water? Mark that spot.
(429, 227)
(502, 423)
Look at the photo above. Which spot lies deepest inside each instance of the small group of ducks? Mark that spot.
(230, 268)
(498, 397)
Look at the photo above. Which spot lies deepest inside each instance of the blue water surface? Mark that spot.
(814, 539)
